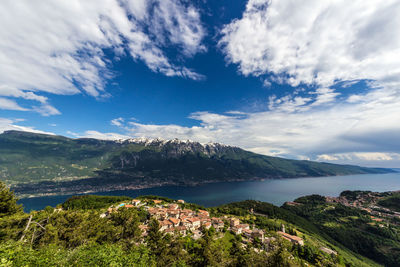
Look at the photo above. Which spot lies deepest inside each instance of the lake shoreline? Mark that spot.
(101, 185)
(275, 191)
(135, 186)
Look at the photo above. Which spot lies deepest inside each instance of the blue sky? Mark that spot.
(315, 80)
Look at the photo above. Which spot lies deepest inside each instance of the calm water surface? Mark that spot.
(272, 191)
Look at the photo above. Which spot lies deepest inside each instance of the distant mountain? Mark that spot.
(38, 163)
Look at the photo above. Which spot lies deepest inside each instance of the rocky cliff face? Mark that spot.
(160, 149)
(176, 148)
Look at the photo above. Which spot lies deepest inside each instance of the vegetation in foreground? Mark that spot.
(75, 234)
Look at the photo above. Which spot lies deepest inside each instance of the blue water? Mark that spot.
(272, 191)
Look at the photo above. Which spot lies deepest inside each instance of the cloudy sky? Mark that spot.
(312, 79)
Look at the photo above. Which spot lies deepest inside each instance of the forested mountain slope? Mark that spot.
(59, 162)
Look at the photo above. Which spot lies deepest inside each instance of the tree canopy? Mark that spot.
(8, 201)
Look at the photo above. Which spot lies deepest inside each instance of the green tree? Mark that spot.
(239, 256)
(128, 220)
(155, 240)
(8, 201)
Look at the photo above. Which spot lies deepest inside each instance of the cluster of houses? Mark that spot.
(176, 220)
(244, 229)
(367, 202)
(173, 219)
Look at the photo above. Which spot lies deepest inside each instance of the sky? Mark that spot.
(313, 80)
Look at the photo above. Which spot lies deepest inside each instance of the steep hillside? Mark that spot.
(118, 231)
(35, 163)
(356, 224)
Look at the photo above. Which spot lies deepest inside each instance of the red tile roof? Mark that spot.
(174, 221)
(193, 219)
(165, 222)
(291, 237)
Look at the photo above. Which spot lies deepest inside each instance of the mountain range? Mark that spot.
(35, 164)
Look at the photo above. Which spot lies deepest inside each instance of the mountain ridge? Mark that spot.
(32, 162)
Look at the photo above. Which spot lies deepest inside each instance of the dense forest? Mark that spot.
(75, 234)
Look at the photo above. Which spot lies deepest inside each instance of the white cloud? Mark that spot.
(377, 156)
(57, 47)
(363, 158)
(117, 121)
(103, 136)
(267, 83)
(46, 110)
(98, 135)
(291, 128)
(73, 134)
(138, 8)
(324, 96)
(317, 42)
(9, 104)
(188, 35)
(364, 133)
(325, 157)
(12, 92)
(10, 124)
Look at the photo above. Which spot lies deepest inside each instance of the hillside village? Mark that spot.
(173, 219)
(92, 230)
(369, 202)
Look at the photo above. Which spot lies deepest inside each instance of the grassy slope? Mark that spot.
(352, 228)
(28, 157)
(310, 231)
(392, 202)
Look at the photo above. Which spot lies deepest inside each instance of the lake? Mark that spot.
(275, 191)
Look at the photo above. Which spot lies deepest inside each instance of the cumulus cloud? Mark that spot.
(188, 36)
(319, 45)
(307, 44)
(290, 128)
(316, 47)
(316, 42)
(364, 133)
(58, 47)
